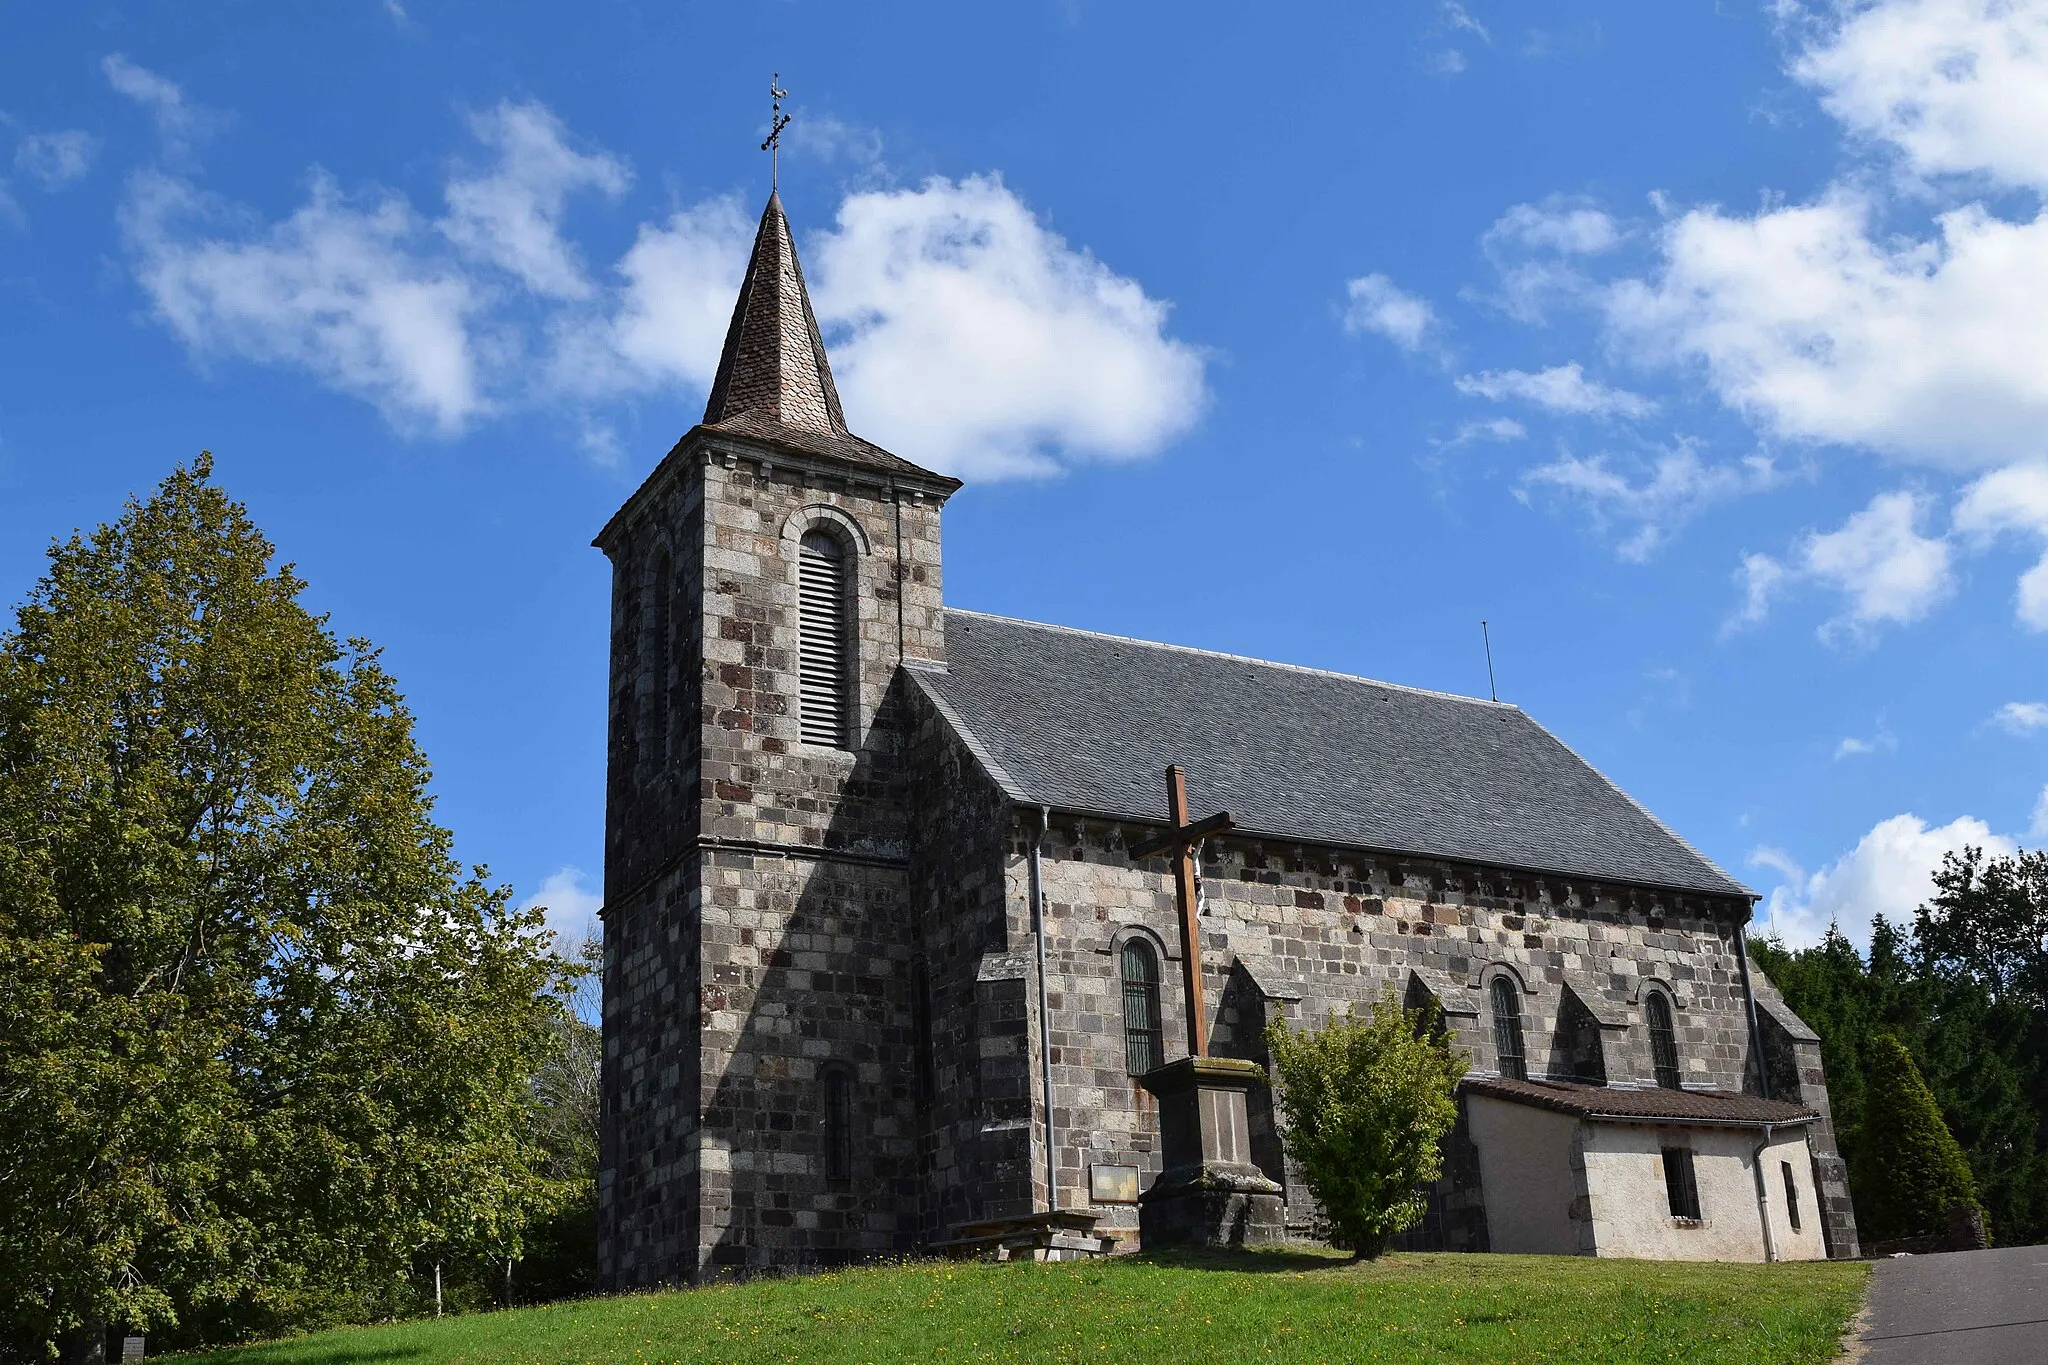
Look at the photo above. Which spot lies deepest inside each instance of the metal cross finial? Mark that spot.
(777, 121)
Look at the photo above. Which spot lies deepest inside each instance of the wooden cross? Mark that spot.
(1183, 839)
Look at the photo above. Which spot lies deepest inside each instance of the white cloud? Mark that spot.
(965, 334)
(1806, 322)
(2013, 499)
(1877, 559)
(1956, 86)
(1379, 306)
(834, 141)
(1822, 322)
(1760, 578)
(973, 339)
(680, 280)
(1539, 251)
(1491, 429)
(340, 290)
(1561, 388)
(1779, 861)
(179, 122)
(1557, 225)
(1677, 485)
(511, 215)
(56, 159)
(1457, 17)
(1887, 569)
(1856, 746)
(571, 909)
(1889, 873)
(2021, 717)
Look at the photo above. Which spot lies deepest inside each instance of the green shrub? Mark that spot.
(1913, 1168)
(1367, 1103)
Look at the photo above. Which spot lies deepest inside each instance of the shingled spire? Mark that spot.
(774, 365)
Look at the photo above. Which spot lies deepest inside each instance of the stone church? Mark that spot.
(881, 969)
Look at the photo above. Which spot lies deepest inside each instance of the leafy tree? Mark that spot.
(1368, 1102)
(1913, 1171)
(260, 1037)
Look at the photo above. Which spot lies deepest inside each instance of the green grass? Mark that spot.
(1255, 1306)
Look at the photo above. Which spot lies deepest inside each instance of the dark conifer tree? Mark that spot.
(1911, 1173)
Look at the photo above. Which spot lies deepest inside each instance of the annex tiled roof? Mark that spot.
(1089, 723)
(1644, 1106)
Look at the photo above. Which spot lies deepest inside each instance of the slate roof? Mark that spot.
(1088, 723)
(1648, 1105)
(774, 382)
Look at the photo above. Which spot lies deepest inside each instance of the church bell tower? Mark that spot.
(769, 581)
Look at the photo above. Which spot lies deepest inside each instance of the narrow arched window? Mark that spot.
(1663, 1041)
(1143, 1048)
(824, 664)
(921, 1031)
(660, 661)
(837, 1138)
(1507, 1029)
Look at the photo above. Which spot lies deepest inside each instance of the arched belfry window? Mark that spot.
(1143, 1046)
(1663, 1041)
(1507, 1029)
(824, 579)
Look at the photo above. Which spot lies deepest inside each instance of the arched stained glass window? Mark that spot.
(824, 573)
(1143, 1047)
(1663, 1041)
(1507, 1029)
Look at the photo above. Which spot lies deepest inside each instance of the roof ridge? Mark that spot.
(1246, 659)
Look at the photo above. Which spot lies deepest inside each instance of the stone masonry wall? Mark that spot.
(1294, 932)
(647, 1207)
(783, 880)
(978, 1149)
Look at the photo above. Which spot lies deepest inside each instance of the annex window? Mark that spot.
(1791, 1194)
(824, 573)
(1143, 1048)
(1507, 1029)
(838, 1124)
(1663, 1041)
(1680, 1187)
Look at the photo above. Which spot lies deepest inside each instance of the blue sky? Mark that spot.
(1702, 349)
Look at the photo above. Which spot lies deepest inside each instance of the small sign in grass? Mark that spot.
(1250, 1306)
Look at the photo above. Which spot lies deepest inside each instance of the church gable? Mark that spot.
(1086, 723)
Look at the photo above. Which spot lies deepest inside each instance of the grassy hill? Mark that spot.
(1259, 1306)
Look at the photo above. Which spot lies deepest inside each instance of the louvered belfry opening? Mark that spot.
(825, 662)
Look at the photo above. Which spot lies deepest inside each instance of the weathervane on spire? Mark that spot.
(776, 123)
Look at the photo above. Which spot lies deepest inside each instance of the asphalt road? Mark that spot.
(1960, 1308)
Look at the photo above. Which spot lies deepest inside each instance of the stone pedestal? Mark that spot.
(1210, 1194)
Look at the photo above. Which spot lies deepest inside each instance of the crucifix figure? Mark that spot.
(1183, 839)
(777, 121)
